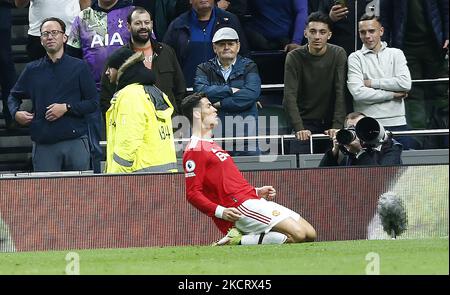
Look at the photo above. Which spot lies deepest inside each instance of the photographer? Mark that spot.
(359, 153)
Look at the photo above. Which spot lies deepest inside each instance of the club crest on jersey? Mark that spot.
(189, 167)
(120, 22)
(276, 213)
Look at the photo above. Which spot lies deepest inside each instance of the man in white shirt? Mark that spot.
(39, 10)
(379, 79)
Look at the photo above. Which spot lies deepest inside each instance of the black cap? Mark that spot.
(118, 58)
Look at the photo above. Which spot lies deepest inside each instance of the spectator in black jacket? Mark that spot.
(160, 58)
(355, 154)
(420, 28)
(343, 17)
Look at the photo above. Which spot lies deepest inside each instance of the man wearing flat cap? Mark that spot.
(232, 84)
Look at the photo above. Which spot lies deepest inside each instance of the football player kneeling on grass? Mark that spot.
(215, 186)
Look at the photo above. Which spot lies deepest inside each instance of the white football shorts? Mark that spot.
(260, 216)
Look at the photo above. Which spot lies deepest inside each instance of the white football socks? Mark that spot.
(271, 237)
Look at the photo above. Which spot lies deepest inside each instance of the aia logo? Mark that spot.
(99, 41)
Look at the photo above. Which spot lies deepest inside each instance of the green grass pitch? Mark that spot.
(427, 256)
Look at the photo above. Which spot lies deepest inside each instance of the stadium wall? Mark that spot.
(121, 211)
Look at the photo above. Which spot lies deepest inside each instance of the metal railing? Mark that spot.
(313, 137)
(277, 87)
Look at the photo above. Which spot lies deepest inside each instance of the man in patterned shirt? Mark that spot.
(215, 186)
(96, 33)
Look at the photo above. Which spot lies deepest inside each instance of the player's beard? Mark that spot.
(138, 39)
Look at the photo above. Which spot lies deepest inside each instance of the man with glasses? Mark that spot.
(39, 10)
(62, 91)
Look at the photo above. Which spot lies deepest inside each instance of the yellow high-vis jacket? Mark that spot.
(139, 131)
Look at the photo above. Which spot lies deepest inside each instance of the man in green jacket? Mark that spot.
(314, 81)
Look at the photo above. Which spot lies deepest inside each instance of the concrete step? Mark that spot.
(14, 157)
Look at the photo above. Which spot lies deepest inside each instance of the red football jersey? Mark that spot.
(212, 179)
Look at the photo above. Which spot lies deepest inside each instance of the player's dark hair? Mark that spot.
(320, 17)
(137, 9)
(189, 103)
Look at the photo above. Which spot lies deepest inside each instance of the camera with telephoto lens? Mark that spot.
(346, 136)
(369, 131)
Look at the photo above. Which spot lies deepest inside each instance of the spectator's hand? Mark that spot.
(368, 83)
(55, 111)
(231, 214)
(303, 134)
(235, 90)
(400, 95)
(223, 4)
(354, 147)
(335, 149)
(331, 133)
(24, 118)
(267, 192)
(338, 12)
(291, 46)
(445, 44)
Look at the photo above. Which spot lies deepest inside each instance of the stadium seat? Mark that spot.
(283, 126)
(270, 65)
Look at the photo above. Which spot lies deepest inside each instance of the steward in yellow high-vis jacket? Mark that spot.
(138, 124)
